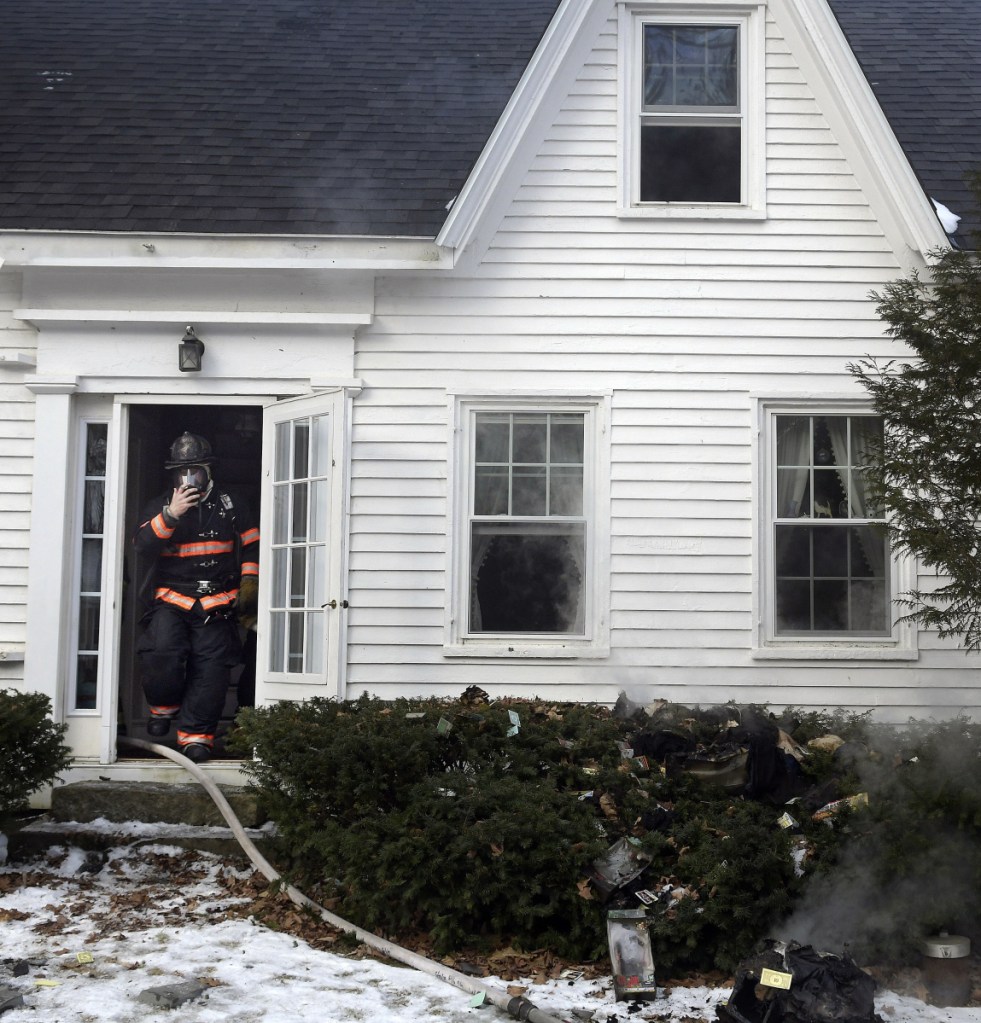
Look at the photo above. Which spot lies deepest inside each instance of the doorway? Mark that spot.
(235, 434)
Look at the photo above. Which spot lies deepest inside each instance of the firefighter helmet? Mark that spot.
(189, 449)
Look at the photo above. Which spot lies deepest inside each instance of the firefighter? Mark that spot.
(206, 550)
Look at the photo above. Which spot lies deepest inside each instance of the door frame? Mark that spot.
(335, 403)
(340, 399)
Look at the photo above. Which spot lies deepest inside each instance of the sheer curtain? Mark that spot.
(793, 448)
(853, 483)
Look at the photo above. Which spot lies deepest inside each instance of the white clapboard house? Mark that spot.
(526, 323)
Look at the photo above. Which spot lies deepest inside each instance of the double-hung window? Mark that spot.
(526, 539)
(829, 576)
(691, 97)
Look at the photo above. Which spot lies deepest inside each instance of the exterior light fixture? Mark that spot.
(189, 352)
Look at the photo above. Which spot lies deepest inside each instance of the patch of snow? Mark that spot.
(88, 965)
(948, 220)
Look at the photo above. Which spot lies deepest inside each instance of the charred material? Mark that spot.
(820, 987)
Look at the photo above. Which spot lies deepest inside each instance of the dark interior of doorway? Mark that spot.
(235, 434)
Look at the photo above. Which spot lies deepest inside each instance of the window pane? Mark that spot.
(279, 574)
(492, 438)
(869, 551)
(793, 440)
(793, 493)
(299, 518)
(294, 649)
(527, 582)
(866, 434)
(95, 500)
(863, 506)
(831, 605)
(318, 510)
(567, 439)
(91, 566)
(320, 461)
(793, 605)
(86, 681)
(96, 439)
(88, 623)
(829, 440)
(690, 163)
(490, 495)
(281, 468)
(829, 494)
(281, 507)
(277, 641)
(528, 492)
(690, 66)
(298, 576)
(301, 450)
(565, 491)
(530, 438)
(830, 552)
(316, 576)
(315, 642)
(870, 606)
(793, 551)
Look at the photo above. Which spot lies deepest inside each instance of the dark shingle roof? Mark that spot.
(353, 117)
(253, 116)
(923, 60)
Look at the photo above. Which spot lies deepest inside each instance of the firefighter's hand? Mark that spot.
(183, 499)
(247, 602)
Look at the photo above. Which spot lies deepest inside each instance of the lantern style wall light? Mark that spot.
(189, 352)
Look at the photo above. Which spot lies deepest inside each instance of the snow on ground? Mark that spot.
(85, 935)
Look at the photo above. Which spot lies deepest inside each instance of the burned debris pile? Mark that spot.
(480, 824)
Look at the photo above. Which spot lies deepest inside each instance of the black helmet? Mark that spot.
(189, 449)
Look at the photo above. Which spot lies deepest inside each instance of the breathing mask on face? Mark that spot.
(197, 476)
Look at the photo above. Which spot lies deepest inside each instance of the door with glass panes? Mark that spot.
(301, 578)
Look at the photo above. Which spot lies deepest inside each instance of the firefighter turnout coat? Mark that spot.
(203, 555)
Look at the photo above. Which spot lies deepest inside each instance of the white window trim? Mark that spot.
(596, 495)
(73, 617)
(750, 18)
(901, 644)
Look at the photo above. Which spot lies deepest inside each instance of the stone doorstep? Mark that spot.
(132, 812)
(37, 837)
(151, 802)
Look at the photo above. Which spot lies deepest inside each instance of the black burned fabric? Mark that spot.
(825, 988)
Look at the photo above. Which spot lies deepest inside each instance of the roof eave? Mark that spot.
(158, 250)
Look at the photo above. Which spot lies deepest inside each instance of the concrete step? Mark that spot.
(150, 802)
(97, 815)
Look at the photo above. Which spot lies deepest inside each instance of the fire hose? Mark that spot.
(517, 1006)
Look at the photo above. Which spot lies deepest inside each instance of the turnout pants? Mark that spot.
(186, 659)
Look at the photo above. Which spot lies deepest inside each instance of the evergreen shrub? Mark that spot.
(31, 749)
(444, 823)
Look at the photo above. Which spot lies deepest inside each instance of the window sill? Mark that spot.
(682, 211)
(835, 652)
(555, 651)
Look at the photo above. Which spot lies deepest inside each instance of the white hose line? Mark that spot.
(518, 1006)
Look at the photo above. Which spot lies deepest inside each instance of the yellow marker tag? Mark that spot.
(774, 978)
(47, 983)
(84, 957)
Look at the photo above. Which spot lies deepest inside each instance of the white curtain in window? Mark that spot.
(872, 546)
(795, 443)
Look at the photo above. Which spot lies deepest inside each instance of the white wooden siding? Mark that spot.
(684, 321)
(16, 448)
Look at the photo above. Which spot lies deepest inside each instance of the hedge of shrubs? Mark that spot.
(482, 824)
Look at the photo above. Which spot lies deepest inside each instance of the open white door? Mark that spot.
(302, 594)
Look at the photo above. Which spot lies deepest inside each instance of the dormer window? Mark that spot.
(691, 124)
(692, 111)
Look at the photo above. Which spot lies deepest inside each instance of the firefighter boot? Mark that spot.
(158, 725)
(196, 752)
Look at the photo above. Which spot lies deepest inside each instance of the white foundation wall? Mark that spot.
(686, 322)
(17, 346)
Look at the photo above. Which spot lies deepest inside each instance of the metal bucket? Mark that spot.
(946, 968)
